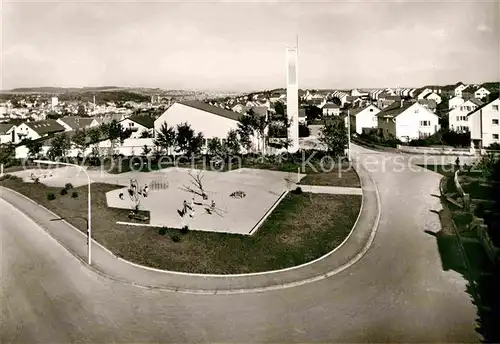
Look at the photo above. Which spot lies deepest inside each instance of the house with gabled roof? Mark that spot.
(38, 129)
(459, 87)
(407, 121)
(481, 93)
(7, 133)
(139, 125)
(363, 117)
(331, 109)
(457, 117)
(211, 121)
(72, 123)
(484, 124)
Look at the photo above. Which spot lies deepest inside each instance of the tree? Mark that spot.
(59, 147)
(166, 137)
(146, 135)
(336, 101)
(185, 135)
(196, 144)
(279, 107)
(81, 141)
(81, 110)
(245, 131)
(334, 136)
(34, 148)
(214, 146)
(146, 150)
(7, 153)
(232, 145)
(313, 113)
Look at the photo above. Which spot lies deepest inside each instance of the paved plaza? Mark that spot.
(258, 191)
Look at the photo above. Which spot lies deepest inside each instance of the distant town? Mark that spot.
(378, 115)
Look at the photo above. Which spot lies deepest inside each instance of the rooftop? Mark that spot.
(212, 109)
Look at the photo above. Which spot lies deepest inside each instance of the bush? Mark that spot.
(297, 191)
(74, 194)
(51, 196)
(184, 230)
(176, 238)
(304, 131)
(5, 177)
(68, 186)
(162, 231)
(63, 191)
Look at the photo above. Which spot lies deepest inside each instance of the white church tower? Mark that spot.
(292, 96)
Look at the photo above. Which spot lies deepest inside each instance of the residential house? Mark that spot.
(469, 92)
(212, 122)
(384, 100)
(481, 93)
(363, 117)
(484, 124)
(457, 117)
(459, 87)
(331, 109)
(38, 129)
(110, 117)
(433, 96)
(342, 96)
(407, 121)
(424, 92)
(72, 123)
(7, 133)
(239, 108)
(455, 102)
(139, 125)
(428, 103)
(355, 101)
(358, 93)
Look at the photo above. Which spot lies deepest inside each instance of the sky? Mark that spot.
(240, 46)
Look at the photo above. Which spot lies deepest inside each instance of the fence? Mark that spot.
(481, 229)
(437, 150)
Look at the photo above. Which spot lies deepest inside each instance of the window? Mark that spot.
(371, 110)
(494, 107)
(425, 123)
(494, 121)
(495, 136)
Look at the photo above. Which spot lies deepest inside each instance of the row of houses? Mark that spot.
(411, 120)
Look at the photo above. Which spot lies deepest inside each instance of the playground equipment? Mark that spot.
(159, 183)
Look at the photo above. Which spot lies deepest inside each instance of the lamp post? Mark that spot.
(348, 136)
(89, 220)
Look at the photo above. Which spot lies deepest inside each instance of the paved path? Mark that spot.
(397, 292)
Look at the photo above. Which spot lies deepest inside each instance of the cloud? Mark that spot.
(483, 28)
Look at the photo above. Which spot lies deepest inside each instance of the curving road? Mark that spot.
(398, 292)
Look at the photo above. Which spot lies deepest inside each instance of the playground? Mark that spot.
(227, 202)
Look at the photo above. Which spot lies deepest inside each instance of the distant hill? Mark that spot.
(58, 90)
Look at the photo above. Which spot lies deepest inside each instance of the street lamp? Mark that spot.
(89, 222)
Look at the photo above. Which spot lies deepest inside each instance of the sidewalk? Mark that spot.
(104, 262)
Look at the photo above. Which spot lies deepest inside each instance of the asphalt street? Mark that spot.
(398, 292)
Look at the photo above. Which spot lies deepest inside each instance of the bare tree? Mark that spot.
(196, 186)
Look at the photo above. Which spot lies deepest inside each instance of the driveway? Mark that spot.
(398, 292)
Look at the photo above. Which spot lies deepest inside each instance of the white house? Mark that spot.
(212, 122)
(433, 96)
(331, 109)
(37, 129)
(408, 121)
(459, 87)
(423, 93)
(455, 102)
(139, 125)
(239, 108)
(364, 117)
(458, 120)
(481, 93)
(484, 124)
(71, 123)
(7, 133)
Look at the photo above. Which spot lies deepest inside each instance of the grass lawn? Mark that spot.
(302, 228)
